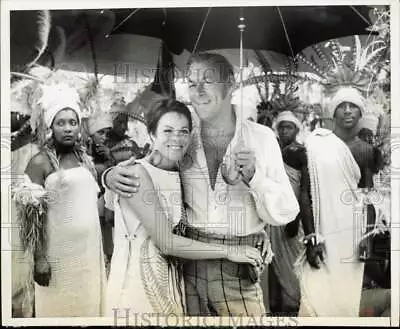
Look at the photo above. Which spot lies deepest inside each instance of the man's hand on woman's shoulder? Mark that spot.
(123, 179)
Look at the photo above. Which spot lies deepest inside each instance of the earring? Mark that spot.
(49, 135)
(49, 140)
(78, 141)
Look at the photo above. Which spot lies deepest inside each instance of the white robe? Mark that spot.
(335, 288)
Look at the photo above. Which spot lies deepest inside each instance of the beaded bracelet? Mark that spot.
(312, 237)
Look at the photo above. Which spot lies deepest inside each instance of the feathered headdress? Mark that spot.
(42, 95)
(55, 97)
(346, 76)
(97, 99)
(285, 90)
(354, 68)
(286, 101)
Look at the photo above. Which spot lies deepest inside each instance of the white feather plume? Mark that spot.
(44, 25)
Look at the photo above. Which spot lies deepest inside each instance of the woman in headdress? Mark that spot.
(58, 213)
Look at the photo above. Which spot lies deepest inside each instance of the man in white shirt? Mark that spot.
(259, 192)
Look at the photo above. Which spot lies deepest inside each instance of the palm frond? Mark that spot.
(367, 59)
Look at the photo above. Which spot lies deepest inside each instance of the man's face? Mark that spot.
(347, 115)
(287, 132)
(207, 91)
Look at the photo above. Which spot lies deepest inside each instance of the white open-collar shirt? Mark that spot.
(239, 210)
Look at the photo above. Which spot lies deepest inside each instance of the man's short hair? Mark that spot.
(216, 61)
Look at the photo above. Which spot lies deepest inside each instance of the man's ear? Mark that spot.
(228, 89)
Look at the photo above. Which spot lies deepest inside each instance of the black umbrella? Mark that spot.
(287, 29)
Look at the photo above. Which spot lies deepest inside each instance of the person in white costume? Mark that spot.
(144, 278)
(339, 164)
(69, 270)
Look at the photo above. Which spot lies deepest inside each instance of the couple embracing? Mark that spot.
(187, 239)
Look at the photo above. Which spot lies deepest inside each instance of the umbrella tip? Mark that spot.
(241, 25)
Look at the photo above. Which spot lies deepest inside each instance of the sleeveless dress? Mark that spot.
(141, 279)
(75, 250)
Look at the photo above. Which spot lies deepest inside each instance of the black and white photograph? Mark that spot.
(200, 164)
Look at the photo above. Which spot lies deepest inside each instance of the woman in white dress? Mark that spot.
(69, 270)
(144, 278)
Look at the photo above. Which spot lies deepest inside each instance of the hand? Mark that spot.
(122, 179)
(245, 162)
(314, 255)
(245, 254)
(42, 272)
(364, 250)
(292, 228)
(103, 151)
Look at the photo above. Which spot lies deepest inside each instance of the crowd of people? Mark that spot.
(219, 211)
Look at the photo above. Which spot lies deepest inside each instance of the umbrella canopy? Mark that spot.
(287, 30)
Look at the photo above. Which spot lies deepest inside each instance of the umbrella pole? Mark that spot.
(241, 27)
(225, 172)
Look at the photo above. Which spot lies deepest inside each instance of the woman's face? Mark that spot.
(172, 136)
(66, 127)
(101, 136)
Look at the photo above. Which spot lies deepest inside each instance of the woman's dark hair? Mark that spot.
(163, 106)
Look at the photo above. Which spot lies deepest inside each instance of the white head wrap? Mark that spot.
(288, 116)
(98, 122)
(346, 94)
(57, 97)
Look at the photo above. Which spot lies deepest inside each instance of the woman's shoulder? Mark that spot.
(39, 167)
(40, 159)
